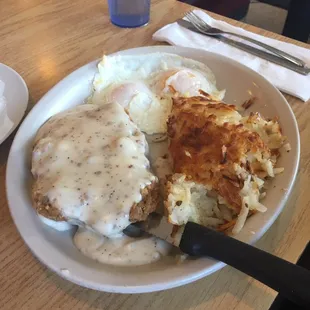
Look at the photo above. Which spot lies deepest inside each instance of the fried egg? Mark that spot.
(144, 85)
(181, 82)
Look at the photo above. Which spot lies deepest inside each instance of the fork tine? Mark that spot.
(187, 15)
(192, 15)
(199, 28)
(191, 18)
(203, 23)
(194, 21)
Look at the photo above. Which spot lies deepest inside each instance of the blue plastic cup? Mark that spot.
(129, 13)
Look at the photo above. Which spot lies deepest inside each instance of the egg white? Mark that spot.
(145, 85)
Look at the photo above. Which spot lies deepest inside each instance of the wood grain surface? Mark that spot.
(44, 40)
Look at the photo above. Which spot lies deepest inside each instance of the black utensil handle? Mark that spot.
(282, 303)
(288, 279)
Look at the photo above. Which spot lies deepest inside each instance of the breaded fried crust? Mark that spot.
(138, 212)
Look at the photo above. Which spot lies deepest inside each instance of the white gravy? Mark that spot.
(120, 250)
(90, 162)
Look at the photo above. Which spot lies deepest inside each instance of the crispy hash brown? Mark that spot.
(221, 155)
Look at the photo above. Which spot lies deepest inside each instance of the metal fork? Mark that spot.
(203, 27)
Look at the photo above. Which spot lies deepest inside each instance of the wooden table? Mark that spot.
(44, 41)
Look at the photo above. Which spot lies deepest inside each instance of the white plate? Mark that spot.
(56, 250)
(16, 95)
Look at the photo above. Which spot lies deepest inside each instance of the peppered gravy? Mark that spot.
(90, 162)
(120, 250)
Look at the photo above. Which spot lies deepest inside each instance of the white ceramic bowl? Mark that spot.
(16, 95)
(56, 249)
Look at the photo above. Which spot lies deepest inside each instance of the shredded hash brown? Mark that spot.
(206, 151)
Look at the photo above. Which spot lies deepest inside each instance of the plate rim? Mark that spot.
(189, 277)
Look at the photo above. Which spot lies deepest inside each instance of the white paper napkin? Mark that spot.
(5, 123)
(285, 80)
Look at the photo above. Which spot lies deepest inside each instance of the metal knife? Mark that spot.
(250, 49)
(289, 280)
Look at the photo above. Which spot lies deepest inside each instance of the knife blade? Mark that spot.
(250, 49)
(289, 280)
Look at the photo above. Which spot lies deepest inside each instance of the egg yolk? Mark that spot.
(181, 82)
(124, 94)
